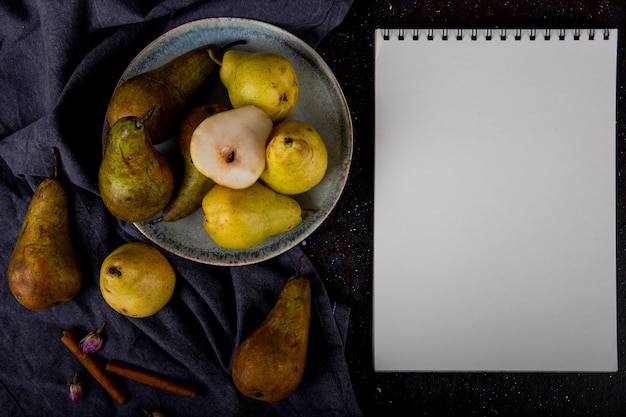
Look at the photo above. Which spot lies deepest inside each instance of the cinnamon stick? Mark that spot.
(149, 378)
(94, 367)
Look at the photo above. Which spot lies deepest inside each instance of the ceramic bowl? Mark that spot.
(321, 103)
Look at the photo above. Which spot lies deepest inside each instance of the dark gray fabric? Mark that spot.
(59, 62)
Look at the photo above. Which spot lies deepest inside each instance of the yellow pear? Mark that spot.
(137, 280)
(229, 65)
(296, 158)
(264, 79)
(243, 218)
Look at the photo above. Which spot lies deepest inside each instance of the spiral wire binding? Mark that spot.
(502, 33)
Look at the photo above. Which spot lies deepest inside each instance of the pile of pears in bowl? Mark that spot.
(226, 141)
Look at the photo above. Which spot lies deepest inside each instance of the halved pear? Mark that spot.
(229, 147)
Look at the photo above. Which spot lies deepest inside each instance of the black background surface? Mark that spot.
(342, 249)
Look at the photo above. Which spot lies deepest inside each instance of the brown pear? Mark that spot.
(269, 364)
(169, 88)
(44, 269)
(193, 184)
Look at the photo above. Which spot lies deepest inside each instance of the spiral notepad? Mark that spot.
(494, 207)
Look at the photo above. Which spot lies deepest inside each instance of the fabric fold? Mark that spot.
(59, 63)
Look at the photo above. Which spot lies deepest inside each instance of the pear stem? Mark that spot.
(308, 211)
(301, 260)
(226, 47)
(55, 156)
(234, 43)
(214, 58)
(148, 114)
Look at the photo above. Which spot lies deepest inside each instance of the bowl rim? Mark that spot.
(346, 159)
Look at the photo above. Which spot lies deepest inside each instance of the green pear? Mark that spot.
(193, 184)
(136, 181)
(44, 269)
(296, 158)
(229, 147)
(243, 218)
(169, 88)
(268, 365)
(264, 79)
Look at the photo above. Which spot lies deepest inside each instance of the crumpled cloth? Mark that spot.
(59, 63)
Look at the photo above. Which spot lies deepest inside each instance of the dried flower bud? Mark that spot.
(75, 389)
(93, 341)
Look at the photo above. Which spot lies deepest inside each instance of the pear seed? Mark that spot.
(230, 155)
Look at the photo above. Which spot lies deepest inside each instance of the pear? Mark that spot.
(193, 185)
(44, 269)
(243, 218)
(137, 280)
(169, 88)
(296, 158)
(268, 365)
(229, 147)
(136, 181)
(264, 79)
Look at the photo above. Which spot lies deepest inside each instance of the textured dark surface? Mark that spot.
(59, 63)
(341, 249)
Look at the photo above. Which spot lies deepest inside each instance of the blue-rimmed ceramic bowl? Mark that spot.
(321, 103)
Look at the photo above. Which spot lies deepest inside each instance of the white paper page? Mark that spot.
(494, 210)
